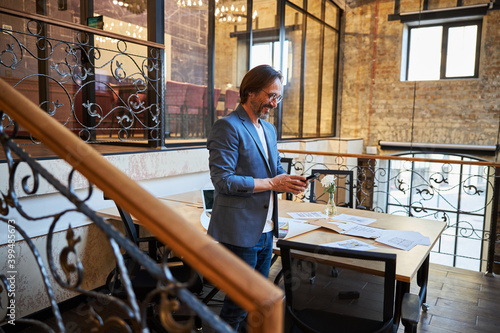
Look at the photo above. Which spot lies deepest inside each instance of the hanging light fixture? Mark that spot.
(226, 11)
(133, 6)
(232, 12)
(192, 4)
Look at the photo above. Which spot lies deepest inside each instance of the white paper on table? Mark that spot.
(351, 244)
(287, 219)
(291, 229)
(308, 215)
(363, 231)
(404, 240)
(345, 225)
(355, 219)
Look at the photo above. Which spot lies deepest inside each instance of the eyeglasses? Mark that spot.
(276, 98)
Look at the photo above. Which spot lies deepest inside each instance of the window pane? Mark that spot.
(123, 20)
(291, 91)
(265, 14)
(310, 121)
(425, 53)
(186, 62)
(328, 82)
(461, 55)
(332, 14)
(230, 63)
(314, 7)
(261, 54)
(299, 3)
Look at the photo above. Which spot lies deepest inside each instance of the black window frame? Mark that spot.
(444, 47)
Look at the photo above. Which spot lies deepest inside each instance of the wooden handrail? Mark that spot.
(262, 299)
(79, 27)
(391, 158)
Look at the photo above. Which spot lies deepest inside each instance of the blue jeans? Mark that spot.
(259, 258)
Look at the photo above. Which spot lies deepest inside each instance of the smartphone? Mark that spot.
(312, 177)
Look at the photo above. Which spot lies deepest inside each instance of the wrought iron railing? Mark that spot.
(460, 190)
(102, 86)
(258, 296)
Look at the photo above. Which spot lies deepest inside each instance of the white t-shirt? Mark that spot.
(269, 226)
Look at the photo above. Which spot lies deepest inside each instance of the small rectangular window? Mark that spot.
(443, 51)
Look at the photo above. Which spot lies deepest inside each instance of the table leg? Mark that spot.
(422, 279)
(404, 287)
(401, 289)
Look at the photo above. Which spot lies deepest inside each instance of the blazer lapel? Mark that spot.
(247, 123)
(270, 140)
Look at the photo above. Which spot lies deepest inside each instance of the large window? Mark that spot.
(310, 96)
(443, 51)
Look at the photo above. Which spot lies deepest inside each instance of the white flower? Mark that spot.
(329, 184)
(328, 180)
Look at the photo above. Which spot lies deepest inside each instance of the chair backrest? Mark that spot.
(217, 92)
(358, 301)
(230, 100)
(287, 163)
(344, 195)
(194, 98)
(175, 95)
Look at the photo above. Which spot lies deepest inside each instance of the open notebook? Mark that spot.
(207, 196)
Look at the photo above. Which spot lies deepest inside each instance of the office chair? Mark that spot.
(142, 282)
(287, 164)
(344, 195)
(193, 104)
(353, 302)
(343, 198)
(175, 95)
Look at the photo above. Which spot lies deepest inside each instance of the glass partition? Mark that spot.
(291, 104)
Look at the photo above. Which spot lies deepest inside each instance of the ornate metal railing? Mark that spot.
(261, 298)
(102, 86)
(459, 190)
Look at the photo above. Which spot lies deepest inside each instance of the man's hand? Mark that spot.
(289, 183)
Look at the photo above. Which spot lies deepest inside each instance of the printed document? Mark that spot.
(351, 244)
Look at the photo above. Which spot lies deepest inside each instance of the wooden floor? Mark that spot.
(460, 301)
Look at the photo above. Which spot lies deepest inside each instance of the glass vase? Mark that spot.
(331, 208)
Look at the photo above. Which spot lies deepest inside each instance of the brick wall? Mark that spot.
(377, 105)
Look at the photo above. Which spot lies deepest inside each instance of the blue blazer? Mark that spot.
(236, 158)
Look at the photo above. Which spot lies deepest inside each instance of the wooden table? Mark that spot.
(191, 213)
(409, 264)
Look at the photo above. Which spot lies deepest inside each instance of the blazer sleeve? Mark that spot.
(223, 145)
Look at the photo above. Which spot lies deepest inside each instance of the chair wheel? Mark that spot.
(311, 279)
(335, 272)
(425, 307)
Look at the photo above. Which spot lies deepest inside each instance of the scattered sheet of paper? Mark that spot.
(351, 244)
(345, 225)
(355, 219)
(363, 231)
(287, 219)
(289, 229)
(404, 240)
(325, 224)
(308, 215)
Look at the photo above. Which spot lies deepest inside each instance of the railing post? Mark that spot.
(493, 224)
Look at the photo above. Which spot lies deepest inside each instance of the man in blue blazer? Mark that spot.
(246, 173)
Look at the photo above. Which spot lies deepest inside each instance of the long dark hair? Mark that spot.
(256, 79)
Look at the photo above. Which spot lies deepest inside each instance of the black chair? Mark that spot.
(352, 302)
(142, 281)
(287, 164)
(344, 195)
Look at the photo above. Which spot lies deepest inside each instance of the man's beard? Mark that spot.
(260, 114)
